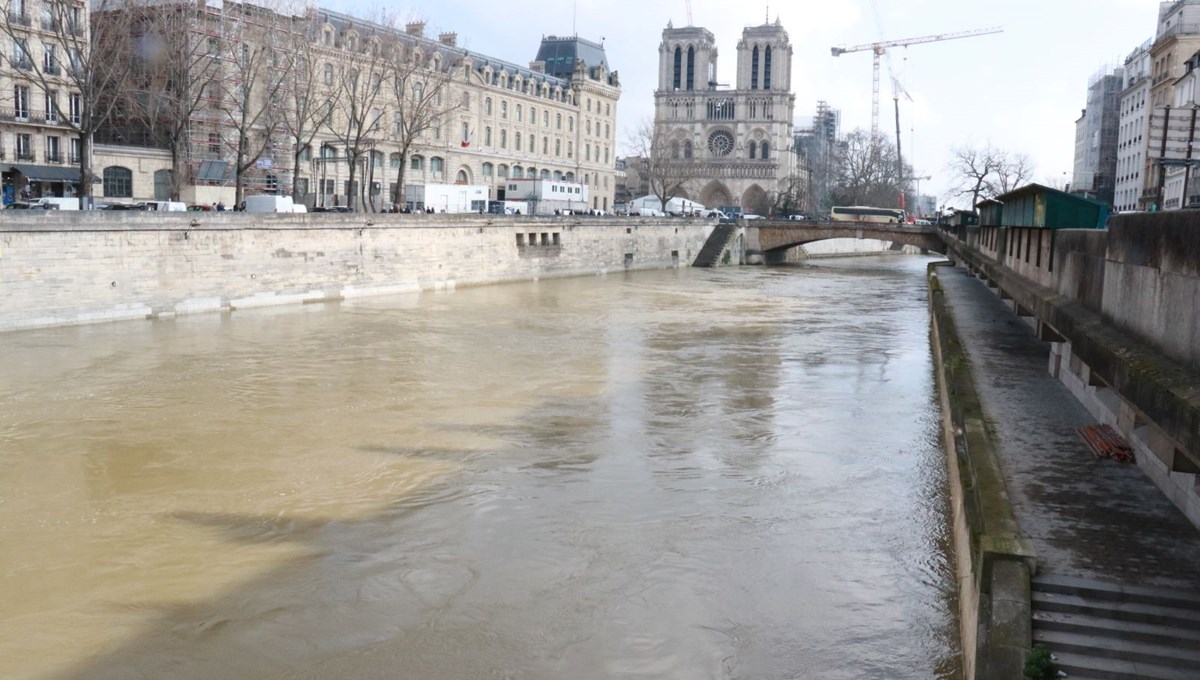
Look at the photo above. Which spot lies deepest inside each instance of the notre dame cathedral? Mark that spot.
(740, 137)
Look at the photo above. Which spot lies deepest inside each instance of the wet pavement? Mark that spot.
(1087, 518)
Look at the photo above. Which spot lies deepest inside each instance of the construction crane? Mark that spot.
(879, 48)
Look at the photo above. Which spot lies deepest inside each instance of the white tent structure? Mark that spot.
(650, 205)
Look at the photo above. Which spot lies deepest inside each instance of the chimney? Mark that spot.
(449, 39)
(416, 28)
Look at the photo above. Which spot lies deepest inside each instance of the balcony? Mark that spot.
(25, 155)
(55, 159)
(52, 70)
(19, 19)
(73, 159)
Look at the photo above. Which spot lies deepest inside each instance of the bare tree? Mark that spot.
(355, 114)
(794, 196)
(865, 171)
(667, 167)
(1012, 171)
(180, 54)
(252, 80)
(307, 95)
(84, 63)
(421, 101)
(986, 171)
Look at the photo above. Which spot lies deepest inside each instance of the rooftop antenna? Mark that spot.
(574, 13)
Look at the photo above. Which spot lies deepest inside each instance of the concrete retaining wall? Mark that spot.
(993, 563)
(1121, 309)
(70, 268)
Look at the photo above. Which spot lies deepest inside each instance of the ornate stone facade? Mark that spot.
(740, 138)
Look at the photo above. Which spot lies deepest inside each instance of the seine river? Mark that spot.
(730, 473)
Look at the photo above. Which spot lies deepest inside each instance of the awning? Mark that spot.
(48, 173)
(214, 171)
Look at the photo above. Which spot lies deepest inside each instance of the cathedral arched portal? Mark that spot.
(714, 194)
(755, 201)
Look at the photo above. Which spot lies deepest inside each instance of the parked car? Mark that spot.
(333, 208)
(17, 206)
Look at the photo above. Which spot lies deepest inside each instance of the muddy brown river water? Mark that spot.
(728, 473)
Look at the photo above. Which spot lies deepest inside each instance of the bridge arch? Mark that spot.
(775, 239)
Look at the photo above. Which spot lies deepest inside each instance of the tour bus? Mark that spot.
(857, 213)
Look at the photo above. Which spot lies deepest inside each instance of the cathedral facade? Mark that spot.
(739, 138)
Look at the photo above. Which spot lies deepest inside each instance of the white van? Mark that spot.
(165, 206)
(52, 203)
(273, 204)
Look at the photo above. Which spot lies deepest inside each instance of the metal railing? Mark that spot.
(25, 155)
(19, 18)
(56, 159)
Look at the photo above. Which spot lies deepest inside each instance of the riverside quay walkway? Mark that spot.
(1117, 590)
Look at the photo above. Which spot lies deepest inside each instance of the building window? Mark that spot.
(754, 70)
(52, 106)
(74, 149)
(53, 150)
(545, 146)
(487, 136)
(504, 139)
(532, 116)
(75, 106)
(558, 147)
(416, 164)
(546, 118)
(764, 154)
(504, 110)
(329, 74)
(214, 142)
(519, 119)
(24, 147)
(517, 141)
(21, 102)
(767, 69)
(118, 182)
(487, 170)
(435, 164)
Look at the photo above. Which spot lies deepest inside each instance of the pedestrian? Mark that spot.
(220, 206)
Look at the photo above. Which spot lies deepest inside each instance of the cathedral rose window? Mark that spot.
(720, 143)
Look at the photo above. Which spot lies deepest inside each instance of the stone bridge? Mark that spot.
(773, 239)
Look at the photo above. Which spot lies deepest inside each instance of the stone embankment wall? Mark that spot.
(62, 268)
(992, 562)
(1121, 309)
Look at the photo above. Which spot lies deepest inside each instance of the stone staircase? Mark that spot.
(710, 254)
(1107, 631)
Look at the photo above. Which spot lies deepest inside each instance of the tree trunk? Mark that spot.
(398, 198)
(85, 169)
(296, 174)
(176, 167)
(351, 190)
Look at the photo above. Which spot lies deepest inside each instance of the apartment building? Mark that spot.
(1177, 38)
(491, 119)
(1133, 134)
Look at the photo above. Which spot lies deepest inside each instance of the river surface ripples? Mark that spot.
(730, 473)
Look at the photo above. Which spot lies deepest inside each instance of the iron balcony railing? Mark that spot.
(25, 155)
(56, 159)
(19, 18)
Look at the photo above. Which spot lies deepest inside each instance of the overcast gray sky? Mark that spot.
(1021, 89)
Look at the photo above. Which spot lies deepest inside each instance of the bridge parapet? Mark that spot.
(775, 236)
